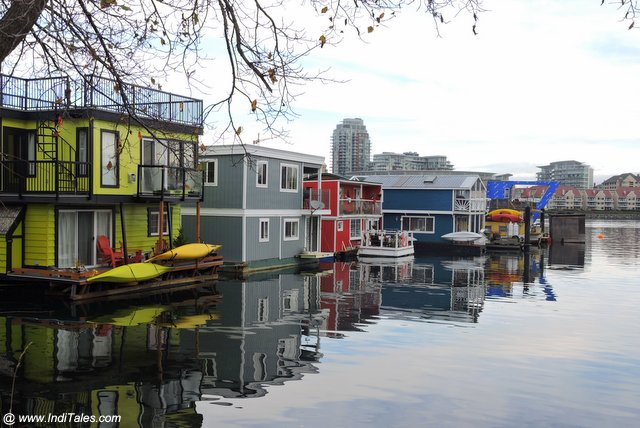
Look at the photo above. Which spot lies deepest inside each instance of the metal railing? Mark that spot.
(169, 181)
(44, 177)
(99, 93)
(314, 199)
(359, 207)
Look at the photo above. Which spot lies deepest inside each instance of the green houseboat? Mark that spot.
(79, 160)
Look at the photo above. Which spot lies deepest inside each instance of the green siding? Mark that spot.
(257, 250)
(226, 231)
(39, 231)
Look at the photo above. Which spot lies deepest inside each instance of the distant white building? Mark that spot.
(409, 161)
(568, 173)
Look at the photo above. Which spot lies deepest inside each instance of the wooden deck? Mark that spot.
(73, 283)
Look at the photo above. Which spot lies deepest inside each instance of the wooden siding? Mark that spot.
(416, 199)
(271, 197)
(228, 192)
(225, 231)
(443, 224)
(136, 217)
(263, 250)
(3, 254)
(39, 232)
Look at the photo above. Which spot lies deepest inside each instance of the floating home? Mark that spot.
(255, 206)
(355, 208)
(431, 206)
(77, 164)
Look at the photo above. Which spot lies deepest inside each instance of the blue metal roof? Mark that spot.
(424, 181)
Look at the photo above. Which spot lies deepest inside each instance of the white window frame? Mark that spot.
(284, 229)
(154, 218)
(213, 183)
(351, 223)
(262, 238)
(288, 166)
(259, 166)
(340, 226)
(433, 230)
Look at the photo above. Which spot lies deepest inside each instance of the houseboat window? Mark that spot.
(82, 152)
(154, 222)
(354, 228)
(211, 172)
(418, 224)
(31, 153)
(264, 230)
(262, 169)
(291, 227)
(109, 168)
(339, 227)
(288, 178)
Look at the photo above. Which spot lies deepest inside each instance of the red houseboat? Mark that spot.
(356, 207)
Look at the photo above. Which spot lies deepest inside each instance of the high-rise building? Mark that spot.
(568, 173)
(408, 161)
(350, 147)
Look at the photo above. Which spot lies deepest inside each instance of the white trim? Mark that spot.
(292, 166)
(419, 212)
(206, 173)
(266, 173)
(244, 183)
(237, 212)
(359, 236)
(244, 238)
(261, 151)
(260, 238)
(284, 229)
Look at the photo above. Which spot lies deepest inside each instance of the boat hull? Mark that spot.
(133, 272)
(385, 252)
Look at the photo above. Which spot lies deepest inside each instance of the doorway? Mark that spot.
(78, 231)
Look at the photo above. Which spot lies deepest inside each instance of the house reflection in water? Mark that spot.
(151, 364)
(355, 294)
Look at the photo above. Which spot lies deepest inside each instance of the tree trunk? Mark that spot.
(16, 23)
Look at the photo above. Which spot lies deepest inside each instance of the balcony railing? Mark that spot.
(359, 207)
(314, 199)
(168, 181)
(99, 93)
(44, 177)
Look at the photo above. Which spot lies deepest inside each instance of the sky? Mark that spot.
(542, 81)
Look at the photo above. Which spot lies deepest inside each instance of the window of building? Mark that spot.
(291, 229)
(288, 178)
(354, 228)
(261, 176)
(339, 226)
(418, 224)
(109, 162)
(264, 230)
(153, 221)
(263, 309)
(31, 154)
(82, 152)
(211, 172)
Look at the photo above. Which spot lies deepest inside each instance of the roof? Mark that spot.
(328, 176)
(8, 216)
(424, 181)
(260, 151)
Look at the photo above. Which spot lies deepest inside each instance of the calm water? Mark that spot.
(491, 341)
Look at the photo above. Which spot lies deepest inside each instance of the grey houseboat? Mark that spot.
(255, 206)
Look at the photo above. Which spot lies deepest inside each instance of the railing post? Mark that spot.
(57, 182)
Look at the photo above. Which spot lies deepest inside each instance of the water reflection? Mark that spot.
(154, 360)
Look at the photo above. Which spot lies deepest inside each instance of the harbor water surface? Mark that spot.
(545, 338)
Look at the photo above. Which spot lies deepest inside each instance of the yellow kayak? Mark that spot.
(133, 272)
(187, 252)
(505, 211)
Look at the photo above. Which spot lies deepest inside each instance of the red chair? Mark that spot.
(109, 255)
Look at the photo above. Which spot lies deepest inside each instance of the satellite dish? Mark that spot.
(316, 205)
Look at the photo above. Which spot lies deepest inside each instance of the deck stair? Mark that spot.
(55, 148)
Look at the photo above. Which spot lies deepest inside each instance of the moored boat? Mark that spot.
(133, 272)
(463, 236)
(386, 244)
(187, 252)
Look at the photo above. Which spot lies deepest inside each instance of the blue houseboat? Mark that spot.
(433, 206)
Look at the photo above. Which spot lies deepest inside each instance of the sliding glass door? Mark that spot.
(78, 231)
